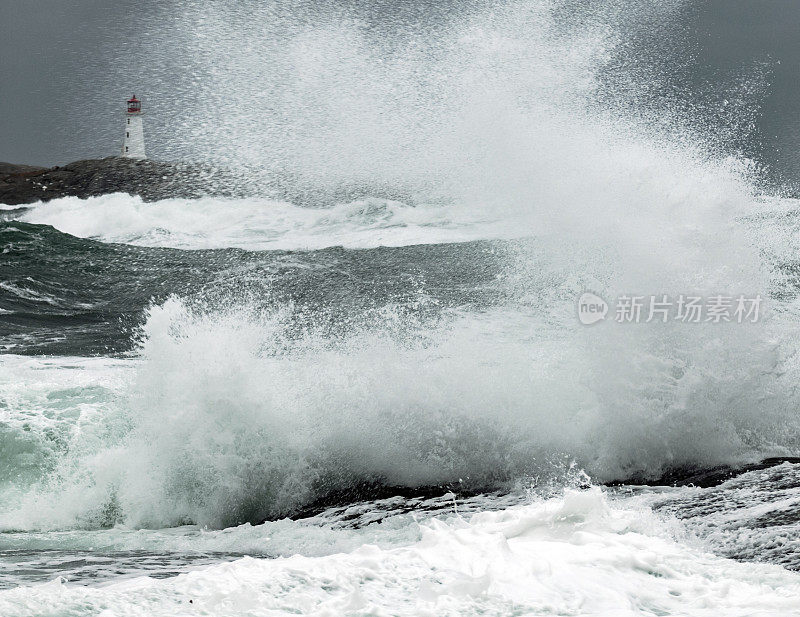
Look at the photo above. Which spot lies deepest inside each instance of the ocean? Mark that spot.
(391, 403)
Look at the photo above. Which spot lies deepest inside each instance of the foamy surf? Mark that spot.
(577, 554)
(228, 415)
(417, 430)
(260, 224)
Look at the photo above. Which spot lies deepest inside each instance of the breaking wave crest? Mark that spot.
(261, 224)
(237, 414)
(231, 416)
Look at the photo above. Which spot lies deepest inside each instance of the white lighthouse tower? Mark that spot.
(133, 144)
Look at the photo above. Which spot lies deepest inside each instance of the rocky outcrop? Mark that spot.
(10, 168)
(152, 180)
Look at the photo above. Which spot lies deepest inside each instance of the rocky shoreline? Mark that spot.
(151, 180)
(155, 180)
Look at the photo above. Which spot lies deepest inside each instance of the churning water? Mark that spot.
(388, 405)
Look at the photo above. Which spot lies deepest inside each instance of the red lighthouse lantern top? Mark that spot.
(134, 105)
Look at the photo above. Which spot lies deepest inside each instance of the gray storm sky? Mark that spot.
(61, 93)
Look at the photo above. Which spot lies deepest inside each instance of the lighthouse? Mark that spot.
(133, 144)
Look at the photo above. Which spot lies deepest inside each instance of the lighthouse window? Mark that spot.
(127, 134)
(129, 120)
(126, 148)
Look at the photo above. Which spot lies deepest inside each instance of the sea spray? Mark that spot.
(231, 416)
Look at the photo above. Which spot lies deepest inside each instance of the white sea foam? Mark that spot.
(228, 417)
(578, 554)
(261, 224)
(44, 404)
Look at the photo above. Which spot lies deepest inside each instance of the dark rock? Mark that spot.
(10, 168)
(151, 180)
(154, 180)
(706, 478)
